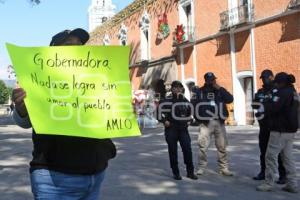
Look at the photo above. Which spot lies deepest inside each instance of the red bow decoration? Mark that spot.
(180, 34)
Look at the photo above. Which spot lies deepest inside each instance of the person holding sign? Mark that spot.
(64, 167)
(175, 112)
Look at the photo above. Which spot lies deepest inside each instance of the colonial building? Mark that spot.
(99, 12)
(184, 39)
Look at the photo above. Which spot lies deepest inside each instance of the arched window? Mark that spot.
(106, 40)
(187, 19)
(122, 36)
(145, 36)
(145, 21)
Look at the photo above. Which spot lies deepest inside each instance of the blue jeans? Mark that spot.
(52, 185)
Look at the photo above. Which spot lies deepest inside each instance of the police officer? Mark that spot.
(211, 112)
(262, 96)
(282, 112)
(175, 113)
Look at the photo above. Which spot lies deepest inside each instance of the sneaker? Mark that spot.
(225, 172)
(290, 189)
(192, 176)
(200, 172)
(259, 177)
(264, 188)
(177, 177)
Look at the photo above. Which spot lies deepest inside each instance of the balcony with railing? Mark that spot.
(294, 4)
(236, 16)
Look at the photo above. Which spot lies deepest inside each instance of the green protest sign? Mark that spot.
(79, 91)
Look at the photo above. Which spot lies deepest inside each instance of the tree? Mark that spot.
(10, 91)
(4, 93)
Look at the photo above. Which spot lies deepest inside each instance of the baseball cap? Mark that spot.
(60, 37)
(176, 84)
(266, 73)
(281, 77)
(209, 76)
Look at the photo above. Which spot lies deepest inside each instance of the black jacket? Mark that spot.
(71, 155)
(282, 111)
(179, 106)
(263, 95)
(210, 103)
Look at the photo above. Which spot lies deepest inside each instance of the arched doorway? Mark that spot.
(244, 97)
(188, 85)
(248, 89)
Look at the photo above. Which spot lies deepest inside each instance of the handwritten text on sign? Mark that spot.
(79, 91)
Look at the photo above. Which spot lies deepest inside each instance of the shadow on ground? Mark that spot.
(141, 169)
(15, 154)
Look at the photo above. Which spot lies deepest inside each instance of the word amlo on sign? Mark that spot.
(118, 124)
(58, 62)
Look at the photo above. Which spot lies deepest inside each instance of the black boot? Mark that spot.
(259, 177)
(192, 176)
(177, 177)
(281, 181)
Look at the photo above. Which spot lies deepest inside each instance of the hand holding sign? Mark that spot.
(79, 91)
(18, 96)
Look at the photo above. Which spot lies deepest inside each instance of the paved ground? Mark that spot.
(141, 169)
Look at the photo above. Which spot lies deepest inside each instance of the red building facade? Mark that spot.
(184, 39)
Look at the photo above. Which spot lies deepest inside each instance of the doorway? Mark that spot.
(248, 91)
